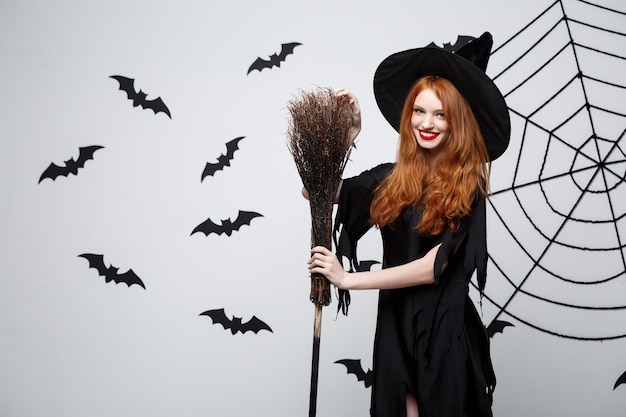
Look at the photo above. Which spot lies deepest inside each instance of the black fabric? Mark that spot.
(429, 338)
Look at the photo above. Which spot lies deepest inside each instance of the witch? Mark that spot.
(431, 349)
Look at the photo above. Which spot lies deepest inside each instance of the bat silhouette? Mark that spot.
(275, 59)
(139, 97)
(621, 380)
(235, 324)
(353, 366)
(223, 160)
(227, 226)
(497, 326)
(71, 166)
(365, 265)
(461, 40)
(110, 273)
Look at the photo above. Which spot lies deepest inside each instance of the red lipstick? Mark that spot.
(428, 135)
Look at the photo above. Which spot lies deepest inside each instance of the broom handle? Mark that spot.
(317, 331)
(321, 234)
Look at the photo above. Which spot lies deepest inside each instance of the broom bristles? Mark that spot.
(319, 142)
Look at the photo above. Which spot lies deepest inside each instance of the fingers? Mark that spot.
(355, 109)
(342, 92)
(321, 249)
(321, 259)
(324, 262)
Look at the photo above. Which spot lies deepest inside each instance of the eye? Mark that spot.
(440, 115)
(418, 110)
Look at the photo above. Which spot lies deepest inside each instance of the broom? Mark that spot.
(318, 139)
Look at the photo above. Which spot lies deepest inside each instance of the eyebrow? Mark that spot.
(415, 106)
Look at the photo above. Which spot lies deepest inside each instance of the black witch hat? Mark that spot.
(465, 67)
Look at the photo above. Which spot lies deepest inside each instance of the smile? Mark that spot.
(428, 135)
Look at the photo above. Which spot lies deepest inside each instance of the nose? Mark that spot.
(427, 123)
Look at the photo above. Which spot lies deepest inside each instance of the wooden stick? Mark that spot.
(317, 332)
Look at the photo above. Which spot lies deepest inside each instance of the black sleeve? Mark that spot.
(353, 211)
(352, 218)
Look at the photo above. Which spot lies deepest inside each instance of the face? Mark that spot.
(429, 122)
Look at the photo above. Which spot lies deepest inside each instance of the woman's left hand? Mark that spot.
(355, 127)
(324, 262)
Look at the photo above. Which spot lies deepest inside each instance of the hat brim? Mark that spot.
(396, 75)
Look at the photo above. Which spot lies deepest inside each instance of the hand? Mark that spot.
(324, 262)
(356, 112)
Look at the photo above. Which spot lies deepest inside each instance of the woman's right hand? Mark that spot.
(356, 112)
(324, 262)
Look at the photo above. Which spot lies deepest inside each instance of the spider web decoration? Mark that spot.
(559, 196)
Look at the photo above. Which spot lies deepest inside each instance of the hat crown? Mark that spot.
(477, 51)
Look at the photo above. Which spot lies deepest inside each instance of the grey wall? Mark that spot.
(73, 345)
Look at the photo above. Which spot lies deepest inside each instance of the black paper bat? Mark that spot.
(353, 366)
(461, 41)
(139, 97)
(497, 326)
(275, 59)
(71, 166)
(227, 226)
(235, 325)
(110, 273)
(621, 380)
(365, 265)
(223, 160)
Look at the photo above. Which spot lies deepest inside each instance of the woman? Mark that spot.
(431, 351)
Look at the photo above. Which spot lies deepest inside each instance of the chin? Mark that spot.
(429, 145)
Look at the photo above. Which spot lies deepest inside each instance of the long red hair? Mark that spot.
(447, 190)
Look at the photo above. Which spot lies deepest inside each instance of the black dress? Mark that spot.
(429, 338)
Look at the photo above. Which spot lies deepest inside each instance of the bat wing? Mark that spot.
(366, 265)
(232, 146)
(207, 227)
(461, 41)
(218, 317)
(259, 64)
(129, 278)
(353, 366)
(497, 326)
(54, 171)
(85, 154)
(245, 218)
(126, 85)
(621, 380)
(96, 262)
(287, 49)
(223, 160)
(209, 170)
(157, 105)
(255, 325)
